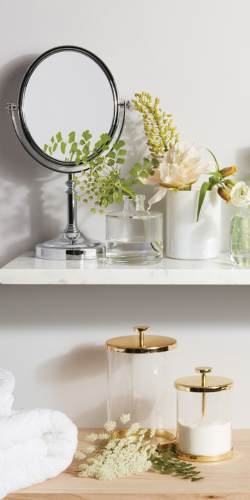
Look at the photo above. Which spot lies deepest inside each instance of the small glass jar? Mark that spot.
(240, 238)
(137, 374)
(204, 417)
(134, 235)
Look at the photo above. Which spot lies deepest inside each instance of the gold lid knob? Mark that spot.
(203, 369)
(141, 329)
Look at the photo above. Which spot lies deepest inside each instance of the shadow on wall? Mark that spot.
(60, 309)
(21, 181)
(80, 367)
(84, 361)
(243, 161)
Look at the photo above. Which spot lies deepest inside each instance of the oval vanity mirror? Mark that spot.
(67, 89)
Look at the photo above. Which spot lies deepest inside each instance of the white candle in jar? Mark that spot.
(204, 438)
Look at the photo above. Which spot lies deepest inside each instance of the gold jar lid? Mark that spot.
(140, 343)
(204, 382)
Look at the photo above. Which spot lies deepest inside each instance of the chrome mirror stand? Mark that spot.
(71, 244)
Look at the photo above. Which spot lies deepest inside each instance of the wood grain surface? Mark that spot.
(229, 480)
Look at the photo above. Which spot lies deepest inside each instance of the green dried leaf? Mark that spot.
(166, 461)
(73, 148)
(71, 137)
(63, 147)
(105, 138)
(111, 154)
(86, 135)
(118, 145)
(59, 137)
(215, 159)
(203, 191)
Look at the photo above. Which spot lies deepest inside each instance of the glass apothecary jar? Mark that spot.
(137, 374)
(134, 235)
(204, 417)
(240, 238)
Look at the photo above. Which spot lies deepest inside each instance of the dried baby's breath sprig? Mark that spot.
(125, 418)
(103, 436)
(92, 437)
(123, 452)
(79, 455)
(110, 425)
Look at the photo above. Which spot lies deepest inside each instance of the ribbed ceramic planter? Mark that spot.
(185, 237)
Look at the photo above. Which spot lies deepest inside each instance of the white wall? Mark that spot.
(195, 55)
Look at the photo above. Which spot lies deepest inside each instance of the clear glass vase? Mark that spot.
(134, 235)
(240, 238)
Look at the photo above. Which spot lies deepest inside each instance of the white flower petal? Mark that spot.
(158, 196)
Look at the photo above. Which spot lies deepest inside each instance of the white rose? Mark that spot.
(240, 195)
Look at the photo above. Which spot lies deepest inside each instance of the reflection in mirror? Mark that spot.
(67, 90)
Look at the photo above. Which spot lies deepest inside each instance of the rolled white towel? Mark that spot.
(7, 385)
(34, 446)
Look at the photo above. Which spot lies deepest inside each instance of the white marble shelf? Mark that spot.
(28, 270)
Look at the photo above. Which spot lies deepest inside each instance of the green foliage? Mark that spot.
(165, 461)
(203, 190)
(142, 170)
(101, 181)
(219, 178)
(158, 125)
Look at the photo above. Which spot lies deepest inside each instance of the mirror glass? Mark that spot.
(67, 89)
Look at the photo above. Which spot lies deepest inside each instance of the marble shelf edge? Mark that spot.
(28, 270)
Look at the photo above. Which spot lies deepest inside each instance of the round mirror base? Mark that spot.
(63, 248)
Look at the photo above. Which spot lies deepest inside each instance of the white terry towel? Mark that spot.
(34, 445)
(7, 385)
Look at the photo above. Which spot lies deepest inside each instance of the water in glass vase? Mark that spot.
(134, 235)
(240, 239)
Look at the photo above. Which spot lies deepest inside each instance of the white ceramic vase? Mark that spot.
(185, 237)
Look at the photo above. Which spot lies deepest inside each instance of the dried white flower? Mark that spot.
(125, 418)
(89, 449)
(103, 436)
(120, 456)
(110, 426)
(134, 428)
(92, 437)
(79, 455)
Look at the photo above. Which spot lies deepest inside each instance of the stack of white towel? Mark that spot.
(34, 445)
